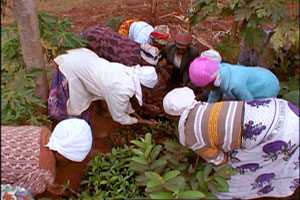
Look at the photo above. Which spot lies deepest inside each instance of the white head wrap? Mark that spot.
(150, 53)
(179, 102)
(145, 75)
(72, 138)
(212, 54)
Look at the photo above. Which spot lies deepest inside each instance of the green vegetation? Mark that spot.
(150, 170)
(17, 84)
(110, 177)
(114, 22)
(167, 172)
(251, 18)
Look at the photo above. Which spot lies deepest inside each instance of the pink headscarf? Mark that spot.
(203, 71)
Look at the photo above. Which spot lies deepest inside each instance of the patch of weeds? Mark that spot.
(114, 22)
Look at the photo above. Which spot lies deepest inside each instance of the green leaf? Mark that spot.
(171, 187)
(153, 183)
(212, 186)
(153, 189)
(171, 174)
(139, 144)
(155, 152)
(224, 185)
(138, 152)
(139, 160)
(141, 168)
(190, 194)
(158, 163)
(141, 180)
(148, 150)
(207, 170)
(293, 97)
(153, 175)
(172, 146)
(200, 178)
(209, 195)
(148, 138)
(161, 195)
(179, 182)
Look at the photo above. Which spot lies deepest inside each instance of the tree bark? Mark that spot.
(153, 15)
(25, 15)
(233, 30)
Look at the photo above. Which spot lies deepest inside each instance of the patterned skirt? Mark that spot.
(125, 26)
(268, 162)
(58, 97)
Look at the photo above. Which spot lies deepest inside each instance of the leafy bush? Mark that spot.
(18, 84)
(290, 90)
(109, 176)
(250, 18)
(166, 172)
(18, 97)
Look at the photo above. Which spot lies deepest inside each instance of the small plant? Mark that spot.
(109, 176)
(166, 172)
(114, 22)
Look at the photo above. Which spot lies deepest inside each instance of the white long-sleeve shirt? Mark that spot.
(92, 78)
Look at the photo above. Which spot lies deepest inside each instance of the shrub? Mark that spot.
(166, 172)
(250, 18)
(109, 176)
(18, 84)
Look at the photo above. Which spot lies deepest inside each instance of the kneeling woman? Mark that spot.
(29, 154)
(260, 138)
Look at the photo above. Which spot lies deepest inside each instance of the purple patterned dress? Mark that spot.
(58, 97)
(268, 162)
(112, 46)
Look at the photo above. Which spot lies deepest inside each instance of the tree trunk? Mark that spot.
(25, 15)
(153, 15)
(233, 30)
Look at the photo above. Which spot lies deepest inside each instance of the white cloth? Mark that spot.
(93, 78)
(72, 138)
(212, 54)
(142, 75)
(153, 51)
(179, 102)
(177, 59)
(140, 32)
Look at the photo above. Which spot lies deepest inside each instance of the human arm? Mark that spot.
(151, 122)
(214, 96)
(241, 94)
(119, 106)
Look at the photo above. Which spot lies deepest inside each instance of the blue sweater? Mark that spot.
(245, 83)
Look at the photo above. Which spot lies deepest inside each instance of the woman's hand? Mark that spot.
(150, 123)
(56, 189)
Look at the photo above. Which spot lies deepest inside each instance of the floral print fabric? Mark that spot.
(268, 162)
(14, 193)
(58, 97)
